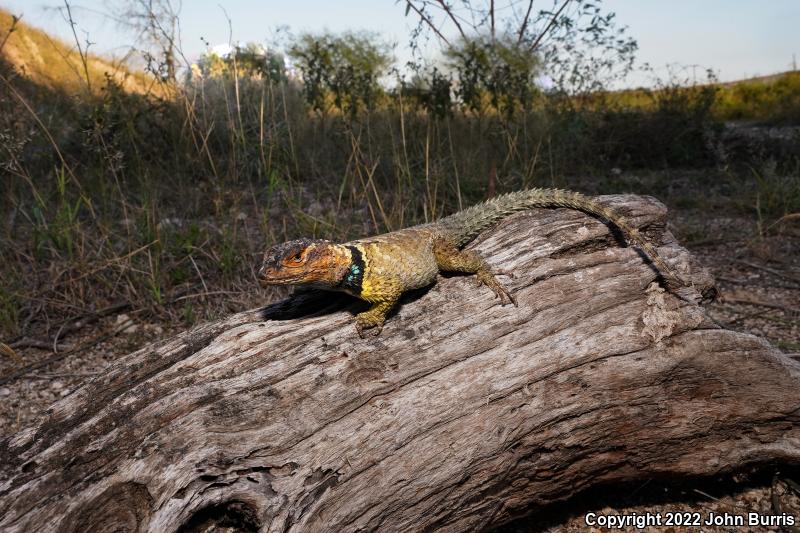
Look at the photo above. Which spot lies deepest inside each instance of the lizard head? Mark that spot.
(304, 262)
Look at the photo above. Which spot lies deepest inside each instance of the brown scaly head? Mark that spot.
(315, 263)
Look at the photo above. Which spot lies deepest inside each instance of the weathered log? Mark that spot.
(459, 416)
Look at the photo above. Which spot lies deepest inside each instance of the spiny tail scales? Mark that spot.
(465, 225)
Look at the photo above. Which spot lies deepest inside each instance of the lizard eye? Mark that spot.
(296, 259)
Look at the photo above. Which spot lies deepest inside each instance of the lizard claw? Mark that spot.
(366, 326)
(505, 296)
(487, 278)
(512, 299)
(364, 331)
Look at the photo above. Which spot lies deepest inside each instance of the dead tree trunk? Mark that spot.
(459, 416)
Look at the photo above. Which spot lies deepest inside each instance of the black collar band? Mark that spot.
(355, 275)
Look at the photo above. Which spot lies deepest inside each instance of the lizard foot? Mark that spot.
(364, 330)
(367, 322)
(487, 278)
(374, 317)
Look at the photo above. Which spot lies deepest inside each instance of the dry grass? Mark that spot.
(164, 203)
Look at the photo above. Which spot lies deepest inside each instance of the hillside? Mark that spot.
(772, 99)
(769, 78)
(55, 64)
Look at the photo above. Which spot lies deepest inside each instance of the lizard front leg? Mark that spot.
(450, 259)
(374, 317)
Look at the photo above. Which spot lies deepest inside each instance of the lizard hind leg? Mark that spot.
(450, 259)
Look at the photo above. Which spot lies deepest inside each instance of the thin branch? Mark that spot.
(25, 342)
(14, 20)
(525, 22)
(547, 28)
(428, 21)
(65, 55)
(452, 16)
(169, 37)
(84, 55)
(491, 17)
(59, 356)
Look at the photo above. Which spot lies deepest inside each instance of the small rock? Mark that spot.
(170, 223)
(5, 391)
(124, 319)
(154, 328)
(64, 392)
(46, 395)
(315, 209)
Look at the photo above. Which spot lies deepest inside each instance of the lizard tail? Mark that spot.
(467, 224)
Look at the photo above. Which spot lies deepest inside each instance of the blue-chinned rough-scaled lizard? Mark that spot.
(380, 269)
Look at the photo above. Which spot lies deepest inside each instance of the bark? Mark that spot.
(459, 416)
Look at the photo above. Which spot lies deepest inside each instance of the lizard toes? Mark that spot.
(506, 297)
(366, 329)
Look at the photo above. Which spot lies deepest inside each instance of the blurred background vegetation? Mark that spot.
(158, 189)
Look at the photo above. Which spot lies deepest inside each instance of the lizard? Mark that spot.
(380, 269)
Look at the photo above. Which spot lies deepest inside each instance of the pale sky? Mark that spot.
(735, 38)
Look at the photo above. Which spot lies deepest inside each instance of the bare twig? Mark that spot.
(491, 18)
(547, 28)
(14, 20)
(524, 25)
(734, 281)
(767, 269)
(58, 357)
(56, 375)
(5, 349)
(33, 343)
(453, 17)
(206, 294)
(707, 495)
(742, 318)
(792, 483)
(84, 54)
(428, 22)
(761, 303)
(78, 322)
(110, 262)
(785, 218)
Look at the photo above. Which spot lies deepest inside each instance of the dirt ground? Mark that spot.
(758, 275)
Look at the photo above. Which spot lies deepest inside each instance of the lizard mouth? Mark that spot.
(265, 282)
(269, 278)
